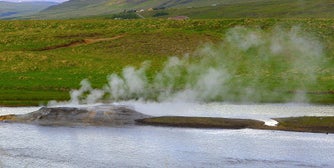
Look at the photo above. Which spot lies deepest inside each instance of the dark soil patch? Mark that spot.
(80, 42)
(71, 44)
(82, 35)
(202, 122)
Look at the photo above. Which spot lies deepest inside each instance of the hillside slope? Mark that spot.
(84, 8)
(13, 10)
(253, 9)
(193, 8)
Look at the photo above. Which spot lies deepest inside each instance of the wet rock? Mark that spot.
(69, 116)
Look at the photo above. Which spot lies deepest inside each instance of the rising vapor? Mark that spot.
(249, 65)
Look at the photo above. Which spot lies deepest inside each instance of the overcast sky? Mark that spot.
(34, 0)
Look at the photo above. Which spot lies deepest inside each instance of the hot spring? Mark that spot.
(249, 66)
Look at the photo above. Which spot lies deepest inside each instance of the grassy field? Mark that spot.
(44, 60)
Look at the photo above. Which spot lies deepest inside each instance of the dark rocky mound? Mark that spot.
(68, 116)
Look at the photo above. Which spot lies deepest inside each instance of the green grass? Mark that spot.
(30, 76)
(54, 73)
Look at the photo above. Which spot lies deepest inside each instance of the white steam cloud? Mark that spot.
(249, 65)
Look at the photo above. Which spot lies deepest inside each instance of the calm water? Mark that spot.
(145, 146)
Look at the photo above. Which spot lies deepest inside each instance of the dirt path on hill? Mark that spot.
(80, 42)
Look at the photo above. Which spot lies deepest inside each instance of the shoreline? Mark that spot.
(314, 124)
(295, 124)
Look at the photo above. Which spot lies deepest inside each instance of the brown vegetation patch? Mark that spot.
(162, 44)
(5, 118)
(80, 42)
(79, 35)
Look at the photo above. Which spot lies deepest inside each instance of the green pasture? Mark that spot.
(30, 74)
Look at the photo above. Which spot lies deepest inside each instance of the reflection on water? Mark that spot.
(145, 146)
(35, 146)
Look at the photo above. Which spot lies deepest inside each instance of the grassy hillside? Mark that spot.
(83, 8)
(194, 8)
(255, 9)
(13, 10)
(44, 60)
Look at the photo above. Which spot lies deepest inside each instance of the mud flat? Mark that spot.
(112, 115)
(299, 124)
(307, 124)
(202, 122)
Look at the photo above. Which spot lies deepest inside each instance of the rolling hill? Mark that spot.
(10, 10)
(192, 8)
(84, 8)
(253, 9)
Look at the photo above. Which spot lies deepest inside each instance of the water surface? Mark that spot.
(146, 146)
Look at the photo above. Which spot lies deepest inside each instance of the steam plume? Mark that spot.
(249, 65)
